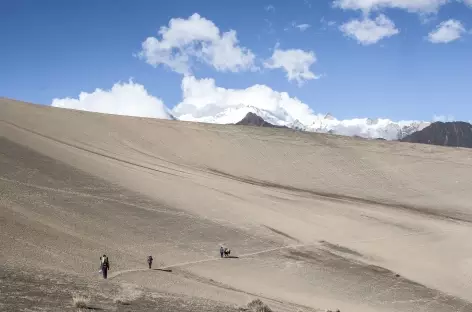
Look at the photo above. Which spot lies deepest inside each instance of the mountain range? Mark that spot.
(457, 134)
(362, 127)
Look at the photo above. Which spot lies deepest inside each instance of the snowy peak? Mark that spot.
(297, 125)
(328, 116)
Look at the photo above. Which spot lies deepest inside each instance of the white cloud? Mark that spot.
(295, 62)
(468, 2)
(303, 27)
(196, 38)
(417, 6)
(446, 32)
(203, 101)
(130, 99)
(270, 7)
(368, 31)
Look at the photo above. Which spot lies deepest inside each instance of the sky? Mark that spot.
(395, 59)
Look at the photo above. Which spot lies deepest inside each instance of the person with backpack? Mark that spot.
(222, 250)
(149, 261)
(104, 266)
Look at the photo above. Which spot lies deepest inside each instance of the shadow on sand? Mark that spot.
(163, 270)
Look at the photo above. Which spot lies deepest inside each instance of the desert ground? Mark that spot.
(313, 221)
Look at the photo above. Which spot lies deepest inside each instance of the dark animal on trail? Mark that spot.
(227, 252)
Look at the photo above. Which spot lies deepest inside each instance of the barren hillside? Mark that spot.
(317, 221)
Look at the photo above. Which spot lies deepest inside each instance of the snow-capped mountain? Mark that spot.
(363, 127)
(297, 125)
(367, 128)
(234, 114)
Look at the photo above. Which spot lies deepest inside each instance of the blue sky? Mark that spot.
(57, 49)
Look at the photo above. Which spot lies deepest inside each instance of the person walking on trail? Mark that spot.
(149, 261)
(222, 250)
(104, 266)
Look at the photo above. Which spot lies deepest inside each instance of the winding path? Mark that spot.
(247, 255)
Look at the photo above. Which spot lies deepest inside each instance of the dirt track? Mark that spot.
(318, 221)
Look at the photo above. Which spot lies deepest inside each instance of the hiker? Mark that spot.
(222, 251)
(149, 261)
(104, 266)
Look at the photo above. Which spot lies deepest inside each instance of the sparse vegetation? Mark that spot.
(127, 294)
(80, 301)
(257, 305)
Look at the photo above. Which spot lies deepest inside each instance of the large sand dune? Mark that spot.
(317, 221)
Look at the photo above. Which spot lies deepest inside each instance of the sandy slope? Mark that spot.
(318, 221)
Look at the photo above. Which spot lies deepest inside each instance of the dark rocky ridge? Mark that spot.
(457, 134)
(252, 119)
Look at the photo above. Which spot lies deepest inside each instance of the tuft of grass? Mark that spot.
(127, 294)
(80, 301)
(257, 305)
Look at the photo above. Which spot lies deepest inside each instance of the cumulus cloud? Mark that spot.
(446, 32)
(468, 2)
(130, 99)
(368, 31)
(295, 62)
(203, 101)
(185, 41)
(416, 6)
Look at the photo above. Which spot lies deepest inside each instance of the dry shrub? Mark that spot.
(257, 305)
(80, 301)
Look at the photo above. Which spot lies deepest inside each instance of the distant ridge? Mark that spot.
(457, 134)
(252, 119)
